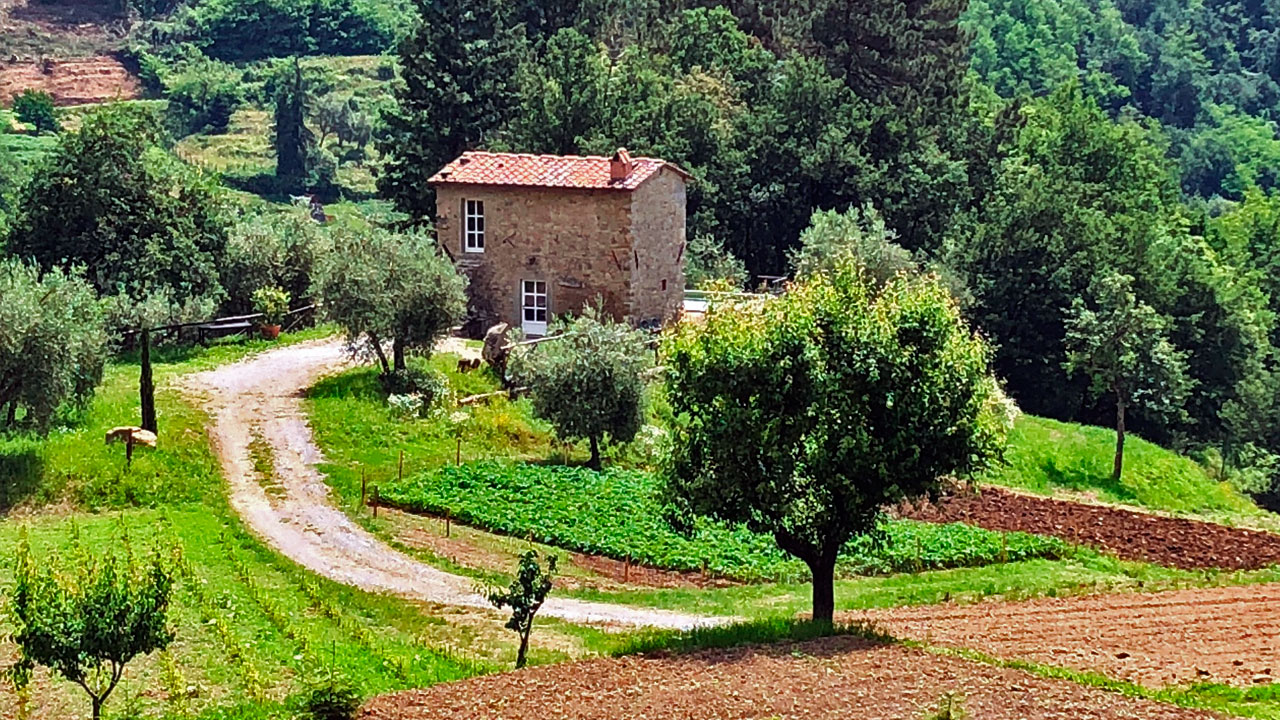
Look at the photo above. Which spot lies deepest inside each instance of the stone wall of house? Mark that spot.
(658, 228)
(577, 241)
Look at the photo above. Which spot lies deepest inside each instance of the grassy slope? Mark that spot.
(251, 627)
(1050, 457)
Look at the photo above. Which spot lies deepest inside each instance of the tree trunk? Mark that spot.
(382, 357)
(594, 462)
(1119, 466)
(147, 386)
(11, 417)
(823, 571)
(524, 646)
(97, 708)
(397, 352)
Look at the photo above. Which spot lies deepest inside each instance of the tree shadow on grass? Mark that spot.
(1081, 477)
(361, 384)
(20, 471)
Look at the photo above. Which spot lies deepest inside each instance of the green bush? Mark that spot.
(272, 302)
(36, 108)
(271, 248)
(616, 513)
(331, 699)
(202, 95)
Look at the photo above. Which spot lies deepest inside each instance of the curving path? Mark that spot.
(262, 396)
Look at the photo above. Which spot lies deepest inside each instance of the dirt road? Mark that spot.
(829, 679)
(1225, 635)
(261, 397)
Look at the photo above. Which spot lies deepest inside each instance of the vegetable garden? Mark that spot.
(617, 513)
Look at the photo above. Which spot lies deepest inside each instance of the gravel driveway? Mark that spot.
(262, 396)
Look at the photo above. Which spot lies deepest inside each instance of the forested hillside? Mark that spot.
(1093, 178)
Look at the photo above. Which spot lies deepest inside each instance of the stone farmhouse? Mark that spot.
(544, 235)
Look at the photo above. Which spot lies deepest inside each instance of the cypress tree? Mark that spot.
(457, 86)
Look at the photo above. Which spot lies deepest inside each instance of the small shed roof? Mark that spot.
(590, 172)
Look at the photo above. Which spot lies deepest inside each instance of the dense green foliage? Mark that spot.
(35, 108)
(1205, 70)
(803, 416)
(90, 617)
(379, 285)
(244, 30)
(112, 200)
(588, 384)
(52, 343)
(618, 513)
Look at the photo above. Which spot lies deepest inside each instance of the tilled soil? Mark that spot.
(1225, 635)
(1175, 542)
(829, 678)
(70, 82)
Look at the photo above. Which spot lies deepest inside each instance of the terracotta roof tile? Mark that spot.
(553, 171)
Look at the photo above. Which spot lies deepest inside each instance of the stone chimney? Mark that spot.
(620, 165)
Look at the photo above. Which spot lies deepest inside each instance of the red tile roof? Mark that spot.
(552, 171)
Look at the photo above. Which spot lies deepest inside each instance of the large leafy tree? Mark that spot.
(111, 199)
(52, 342)
(805, 415)
(456, 70)
(86, 621)
(589, 383)
(380, 286)
(1121, 345)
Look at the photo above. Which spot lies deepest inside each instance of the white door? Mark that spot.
(533, 307)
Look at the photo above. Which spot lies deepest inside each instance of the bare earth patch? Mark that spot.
(1175, 542)
(70, 82)
(830, 678)
(1225, 635)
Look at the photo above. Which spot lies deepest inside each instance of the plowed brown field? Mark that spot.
(1176, 542)
(825, 679)
(1226, 635)
(71, 82)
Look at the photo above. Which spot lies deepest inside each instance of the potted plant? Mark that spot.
(273, 304)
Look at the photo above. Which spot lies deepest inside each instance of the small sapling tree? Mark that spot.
(525, 596)
(588, 384)
(1122, 346)
(804, 415)
(379, 286)
(86, 621)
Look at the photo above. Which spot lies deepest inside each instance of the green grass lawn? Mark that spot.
(251, 627)
(1049, 457)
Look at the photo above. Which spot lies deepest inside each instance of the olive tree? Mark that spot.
(1122, 346)
(588, 382)
(52, 342)
(803, 416)
(379, 285)
(86, 621)
(859, 235)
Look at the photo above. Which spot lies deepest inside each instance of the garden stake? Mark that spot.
(457, 457)
(626, 570)
(400, 471)
(448, 525)
(375, 501)
(364, 487)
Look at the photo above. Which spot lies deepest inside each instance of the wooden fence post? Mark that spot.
(400, 470)
(364, 487)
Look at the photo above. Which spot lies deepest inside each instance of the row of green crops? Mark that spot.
(615, 513)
